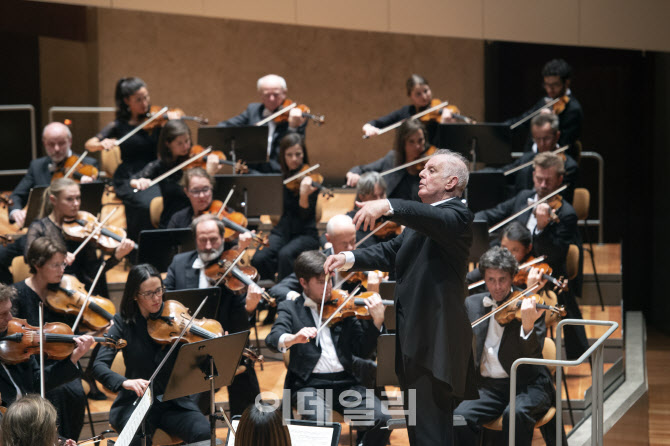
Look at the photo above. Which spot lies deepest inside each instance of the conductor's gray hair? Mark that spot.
(457, 166)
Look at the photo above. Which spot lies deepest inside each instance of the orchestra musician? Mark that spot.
(420, 97)
(498, 346)
(32, 421)
(409, 145)
(46, 258)
(296, 231)
(430, 315)
(370, 186)
(327, 365)
(142, 297)
(187, 270)
(272, 90)
(198, 186)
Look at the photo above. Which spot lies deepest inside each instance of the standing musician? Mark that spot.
(187, 270)
(46, 258)
(60, 203)
(296, 231)
(272, 90)
(420, 97)
(174, 145)
(142, 297)
(328, 365)
(57, 141)
(545, 133)
(498, 346)
(409, 145)
(430, 261)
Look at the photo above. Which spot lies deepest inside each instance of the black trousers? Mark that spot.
(279, 256)
(340, 392)
(70, 402)
(532, 402)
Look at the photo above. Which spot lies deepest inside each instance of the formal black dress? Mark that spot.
(399, 184)
(174, 198)
(180, 417)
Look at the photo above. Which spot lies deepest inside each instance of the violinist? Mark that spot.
(60, 203)
(46, 258)
(420, 98)
(272, 90)
(296, 231)
(142, 297)
(187, 270)
(328, 365)
(198, 186)
(57, 141)
(409, 145)
(497, 347)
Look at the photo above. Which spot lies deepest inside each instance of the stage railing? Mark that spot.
(57, 109)
(31, 111)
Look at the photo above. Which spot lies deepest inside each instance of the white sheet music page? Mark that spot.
(135, 419)
(300, 435)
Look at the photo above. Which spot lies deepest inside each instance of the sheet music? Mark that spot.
(135, 419)
(301, 435)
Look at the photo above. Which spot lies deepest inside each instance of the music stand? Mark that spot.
(91, 200)
(387, 292)
(488, 143)
(302, 432)
(206, 365)
(255, 194)
(250, 143)
(159, 246)
(485, 190)
(480, 240)
(191, 298)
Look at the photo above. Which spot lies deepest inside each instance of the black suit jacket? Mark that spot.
(181, 275)
(252, 115)
(553, 241)
(430, 260)
(38, 175)
(512, 345)
(350, 337)
(393, 179)
(26, 375)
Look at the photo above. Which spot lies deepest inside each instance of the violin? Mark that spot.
(555, 204)
(416, 168)
(166, 326)
(239, 165)
(160, 121)
(361, 277)
(80, 227)
(521, 277)
(317, 181)
(70, 294)
(318, 119)
(239, 277)
(79, 171)
(23, 340)
(512, 312)
(235, 223)
(559, 106)
(436, 115)
(354, 307)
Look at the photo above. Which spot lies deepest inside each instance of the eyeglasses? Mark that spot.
(203, 191)
(148, 295)
(57, 265)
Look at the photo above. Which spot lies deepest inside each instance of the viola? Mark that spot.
(80, 227)
(235, 223)
(163, 119)
(240, 166)
(353, 308)
(80, 169)
(23, 340)
(555, 204)
(306, 112)
(521, 277)
(436, 115)
(317, 181)
(70, 294)
(239, 278)
(513, 311)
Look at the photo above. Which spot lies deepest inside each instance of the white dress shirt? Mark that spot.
(271, 130)
(203, 280)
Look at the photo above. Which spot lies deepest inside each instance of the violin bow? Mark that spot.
(325, 324)
(160, 178)
(415, 116)
(301, 174)
(225, 202)
(94, 231)
(524, 165)
(230, 268)
(500, 308)
(41, 319)
(275, 114)
(371, 233)
(532, 115)
(76, 163)
(323, 301)
(88, 296)
(527, 208)
(402, 166)
(522, 266)
(141, 126)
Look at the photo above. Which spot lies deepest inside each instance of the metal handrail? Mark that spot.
(33, 134)
(56, 109)
(596, 380)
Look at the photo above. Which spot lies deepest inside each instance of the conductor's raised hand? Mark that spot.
(369, 212)
(334, 262)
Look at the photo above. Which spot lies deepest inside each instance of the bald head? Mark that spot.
(57, 140)
(341, 233)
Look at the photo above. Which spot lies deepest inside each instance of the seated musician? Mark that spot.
(143, 296)
(328, 365)
(198, 186)
(24, 378)
(46, 258)
(32, 421)
(497, 347)
(371, 186)
(272, 90)
(296, 231)
(187, 270)
(60, 203)
(174, 145)
(545, 133)
(420, 97)
(57, 140)
(409, 145)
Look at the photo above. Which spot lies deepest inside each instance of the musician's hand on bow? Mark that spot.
(108, 144)
(370, 130)
(69, 258)
(140, 183)
(136, 385)
(334, 262)
(301, 337)
(369, 212)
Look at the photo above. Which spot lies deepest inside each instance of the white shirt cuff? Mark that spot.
(281, 345)
(526, 336)
(349, 260)
(390, 211)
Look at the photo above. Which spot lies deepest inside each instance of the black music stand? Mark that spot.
(91, 200)
(387, 292)
(486, 189)
(206, 365)
(254, 195)
(192, 297)
(249, 143)
(486, 143)
(480, 240)
(159, 246)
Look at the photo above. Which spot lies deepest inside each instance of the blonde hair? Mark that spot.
(55, 188)
(30, 421)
